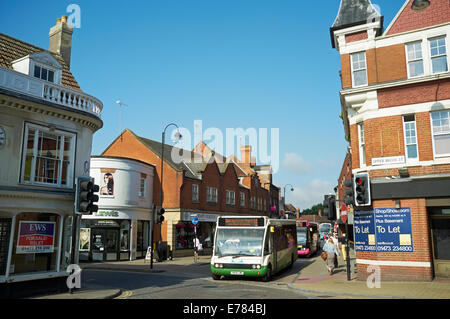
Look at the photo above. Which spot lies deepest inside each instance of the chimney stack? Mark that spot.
(246, 156)
(61, 39)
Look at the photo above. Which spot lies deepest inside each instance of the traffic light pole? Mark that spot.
(152, 223)
(347, 251)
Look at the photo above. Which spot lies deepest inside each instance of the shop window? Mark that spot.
(5, 229)
(35, 246)
(184, 236)
(142, 237)
(125, 235)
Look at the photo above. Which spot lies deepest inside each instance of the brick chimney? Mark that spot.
(246, 155)
(61, 39)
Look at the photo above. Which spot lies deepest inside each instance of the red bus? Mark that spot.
(307, 238)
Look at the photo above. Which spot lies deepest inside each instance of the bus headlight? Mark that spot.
(218, 265)
(256, 266)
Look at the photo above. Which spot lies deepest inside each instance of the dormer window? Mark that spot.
(41, 65)
(44, 74)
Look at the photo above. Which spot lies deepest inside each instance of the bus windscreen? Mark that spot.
(239, 242)
(301, 236)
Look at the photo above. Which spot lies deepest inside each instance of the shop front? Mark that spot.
(185, 232)
(440, 237)
(114, 236)
(34, 252)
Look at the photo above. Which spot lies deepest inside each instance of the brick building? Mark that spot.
(202, 184)
(395, 101)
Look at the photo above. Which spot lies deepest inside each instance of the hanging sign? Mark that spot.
(35, 237)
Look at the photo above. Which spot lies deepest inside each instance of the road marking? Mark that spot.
(125, 294)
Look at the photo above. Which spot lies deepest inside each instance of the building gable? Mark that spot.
(408, 19)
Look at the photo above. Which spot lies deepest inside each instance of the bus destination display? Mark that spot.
(241, 222)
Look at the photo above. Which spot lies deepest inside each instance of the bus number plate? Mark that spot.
(237, 272)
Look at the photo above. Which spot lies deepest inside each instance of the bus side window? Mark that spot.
(266, 243)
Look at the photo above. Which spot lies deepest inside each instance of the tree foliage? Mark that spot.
(314, 210)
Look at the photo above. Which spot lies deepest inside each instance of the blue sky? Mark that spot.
(229, 63)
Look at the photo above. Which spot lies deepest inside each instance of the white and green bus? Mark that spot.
(253, 246)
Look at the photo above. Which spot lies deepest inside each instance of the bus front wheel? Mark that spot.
(215, 277)
(268, 274)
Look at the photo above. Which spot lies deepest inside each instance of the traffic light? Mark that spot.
(362, 189)
(329, 206)
(349, 197)
(159, 215)
(85, 197)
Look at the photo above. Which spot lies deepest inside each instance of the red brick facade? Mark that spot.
(437, 13)
(177, 187)
(382, 106)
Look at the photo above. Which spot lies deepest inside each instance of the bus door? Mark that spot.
(273, 230)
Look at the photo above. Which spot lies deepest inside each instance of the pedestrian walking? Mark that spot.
(331, 251)
(336, 243)
(197, 247)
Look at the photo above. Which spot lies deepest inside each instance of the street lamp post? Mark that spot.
(120, 114)
(284, 195)
(161, 190)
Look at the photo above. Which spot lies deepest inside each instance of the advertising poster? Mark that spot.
(364, 231)
(35, 237)
(383, 230)
(107, 187)
(393, 229)
(85, 239)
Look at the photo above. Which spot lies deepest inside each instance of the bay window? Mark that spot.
(48, 156)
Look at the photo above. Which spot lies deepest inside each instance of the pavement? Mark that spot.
(313, 279)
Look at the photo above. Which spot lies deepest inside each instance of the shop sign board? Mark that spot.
(383, 230)
(35, 237)
(393, 229)
(211, 218)
(364, 231)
